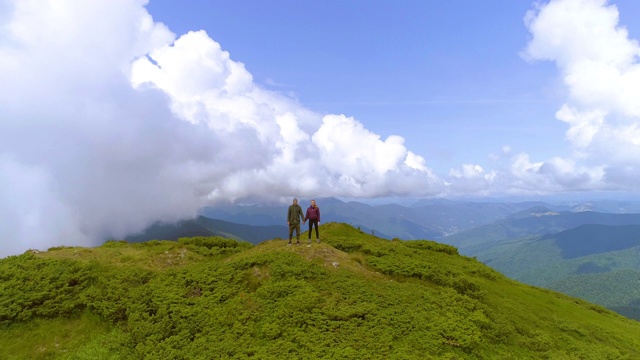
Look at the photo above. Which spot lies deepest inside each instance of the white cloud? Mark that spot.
(599, 65)
(303, 150)
(347, 147)
(570, 175)
(415, 161)
(110, 122)
(35, 210)
(583, 126)
(467, 171)
(471, 179)
(358, 159)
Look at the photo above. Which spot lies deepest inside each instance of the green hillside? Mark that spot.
(353, 296)
(617, 290)
(598, 263)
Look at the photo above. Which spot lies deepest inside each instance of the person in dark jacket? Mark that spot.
(313, 215)
(294, 215)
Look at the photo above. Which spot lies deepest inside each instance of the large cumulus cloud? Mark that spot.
(110, 122)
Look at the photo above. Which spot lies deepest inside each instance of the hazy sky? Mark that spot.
(118, 113)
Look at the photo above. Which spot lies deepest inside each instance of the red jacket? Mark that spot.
(313, 213)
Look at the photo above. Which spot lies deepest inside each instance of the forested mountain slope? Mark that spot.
(532, 222)
(599, 263)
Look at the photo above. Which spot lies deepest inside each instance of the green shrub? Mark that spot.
(211, 242)
(214, 245)
(113, 290)
(115, 244)
(431, 245)
(32, 287)
(346, 244)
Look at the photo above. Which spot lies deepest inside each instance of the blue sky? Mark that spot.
(447, 76)
(115, 114)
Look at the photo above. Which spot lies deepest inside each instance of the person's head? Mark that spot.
(313, 203)
(295, 201)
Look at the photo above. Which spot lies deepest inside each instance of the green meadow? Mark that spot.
(352, 296)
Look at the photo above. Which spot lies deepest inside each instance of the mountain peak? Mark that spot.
(365, 296)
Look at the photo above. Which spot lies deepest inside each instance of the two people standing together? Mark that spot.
(294, 215)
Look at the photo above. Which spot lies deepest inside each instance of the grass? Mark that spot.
(153, 255)
(351, 296)
(82, 337)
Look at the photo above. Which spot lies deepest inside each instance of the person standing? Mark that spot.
(313, 215)
(294, 215)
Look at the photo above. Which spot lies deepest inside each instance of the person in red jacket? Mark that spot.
(313, 215)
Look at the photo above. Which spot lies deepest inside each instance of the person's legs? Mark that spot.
(291, 227)
(317, 233)
(310, 225)
(298, 233)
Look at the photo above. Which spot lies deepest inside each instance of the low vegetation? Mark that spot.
(598, 263)
(352, 296)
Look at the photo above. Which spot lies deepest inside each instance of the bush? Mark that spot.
(346, 244)
(431, 245)
(114, 244)
(113, 290)
(211, 242)
(32, 287)
(214, 245)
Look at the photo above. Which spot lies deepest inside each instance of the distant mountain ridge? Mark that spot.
(471, 226)
(203, 226)
(532, 222)
(425, 219)
(590, 239)
(599, 263)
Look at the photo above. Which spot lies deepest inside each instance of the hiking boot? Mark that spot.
(318, 240)
(298, 243)
(289, 244)
(309, 242)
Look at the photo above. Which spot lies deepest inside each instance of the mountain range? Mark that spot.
(425, 219)
(565, 247)
(534, 221)
(204, 226)
(599, 263)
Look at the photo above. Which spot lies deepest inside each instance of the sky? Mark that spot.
(115, 114)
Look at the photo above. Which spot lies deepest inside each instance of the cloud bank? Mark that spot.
(110, 122)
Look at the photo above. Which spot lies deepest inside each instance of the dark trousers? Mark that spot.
(313, 222)
(295, 227)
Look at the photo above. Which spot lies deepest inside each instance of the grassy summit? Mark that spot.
(353, 296)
